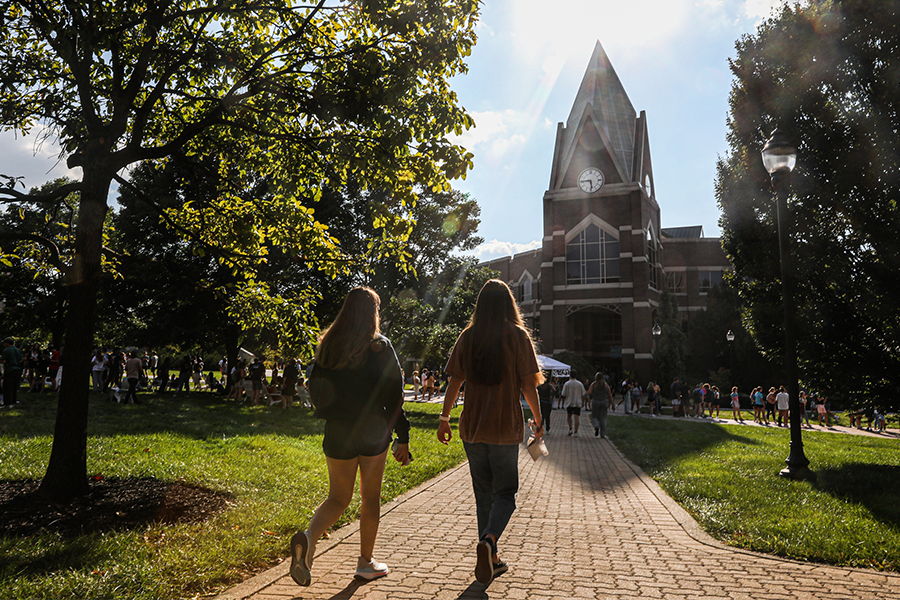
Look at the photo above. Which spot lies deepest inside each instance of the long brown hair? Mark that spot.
(489, 333)
(347, 340)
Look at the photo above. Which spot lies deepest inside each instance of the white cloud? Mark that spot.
(37, 162)
(495, 135)
(497, 249)
(760, 9)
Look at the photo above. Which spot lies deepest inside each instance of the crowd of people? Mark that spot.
(121, 374)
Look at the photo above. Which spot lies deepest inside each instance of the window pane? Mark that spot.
(573, 252)
(611, 249)
(592, 251)
(573, 272)
(592, 234)
(612, 270)
(593, 273)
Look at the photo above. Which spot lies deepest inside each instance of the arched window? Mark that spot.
(592, 257)
(653, 258)
(526, 289)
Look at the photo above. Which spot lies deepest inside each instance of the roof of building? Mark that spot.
(683, 233)
(603, 91)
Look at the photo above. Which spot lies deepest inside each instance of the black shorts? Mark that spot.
(346, 439)
(573, 410)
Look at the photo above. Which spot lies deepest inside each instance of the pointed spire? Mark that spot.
(602, 93)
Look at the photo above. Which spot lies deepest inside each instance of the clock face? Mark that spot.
(590, 180)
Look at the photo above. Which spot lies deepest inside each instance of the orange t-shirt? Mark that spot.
(492, 414)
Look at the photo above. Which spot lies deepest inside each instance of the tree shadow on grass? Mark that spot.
(200, 415)
(636, 438)
(876, 487)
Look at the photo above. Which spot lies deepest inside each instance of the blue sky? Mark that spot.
(671, 56)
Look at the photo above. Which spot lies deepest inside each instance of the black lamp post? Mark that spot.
(730, 337)
(779, 158)
(656, 331)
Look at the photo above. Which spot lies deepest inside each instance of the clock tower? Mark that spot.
(593, 287)
(600, 272)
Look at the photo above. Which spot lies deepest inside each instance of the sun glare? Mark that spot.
(571, 27)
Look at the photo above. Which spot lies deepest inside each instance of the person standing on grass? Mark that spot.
(716, 398)
(823, 411)
(12, 359)
(257, 374)
(429, 384)
(133, 370)
(636, 392)
(652, 398)
(601, 397)
(289, 386)
(356, 385)
(736, 404)
(495, 357)
(697, 398)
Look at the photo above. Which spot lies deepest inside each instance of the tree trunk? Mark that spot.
(66, 476)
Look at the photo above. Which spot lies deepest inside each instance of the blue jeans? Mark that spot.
(495, 479)
(598, 415)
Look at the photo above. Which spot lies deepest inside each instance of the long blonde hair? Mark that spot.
(488, 335)
(347, 340)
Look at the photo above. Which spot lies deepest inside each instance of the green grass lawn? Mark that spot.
(725, 476)
(268, 459)
(270, 462)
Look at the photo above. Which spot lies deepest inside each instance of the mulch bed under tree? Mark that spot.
(109, 505)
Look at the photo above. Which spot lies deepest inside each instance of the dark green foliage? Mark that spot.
(424, 325)
(670, 346)
(828, 73)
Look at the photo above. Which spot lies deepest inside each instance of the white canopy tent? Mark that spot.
(549, 364)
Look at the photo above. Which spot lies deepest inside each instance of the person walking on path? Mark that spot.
(495, 357)
(601, 396)
(804, 414)
(771, 403)
(783, 402)
(356, 385)
(546, 392)
(573, 392)
(736, 404)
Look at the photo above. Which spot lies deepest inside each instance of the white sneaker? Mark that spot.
(370, 569)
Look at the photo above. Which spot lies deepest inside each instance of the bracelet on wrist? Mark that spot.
(445, 418)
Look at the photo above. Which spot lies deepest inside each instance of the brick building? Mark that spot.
(593, 288)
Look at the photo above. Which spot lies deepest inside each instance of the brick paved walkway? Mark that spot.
(589, 525)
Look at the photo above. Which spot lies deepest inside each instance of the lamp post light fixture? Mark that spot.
(779, 158)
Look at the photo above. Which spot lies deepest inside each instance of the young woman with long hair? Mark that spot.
(356, 385)
(495, 358)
